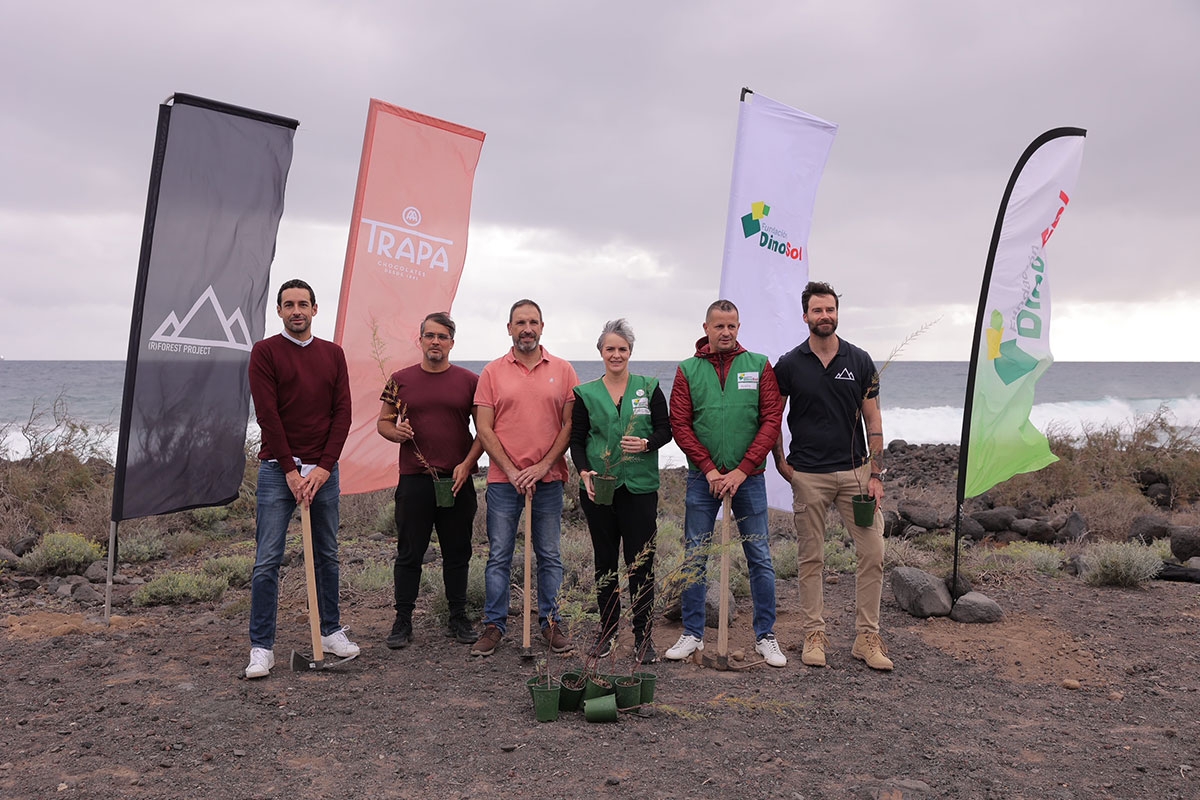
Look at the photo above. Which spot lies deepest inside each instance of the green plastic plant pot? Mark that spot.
(864, 510)
(570, 694)
(601, 709)
(443, 491)
(649, 681)
(604, 486)
(628, 690)
(545, 702)
(596, 687)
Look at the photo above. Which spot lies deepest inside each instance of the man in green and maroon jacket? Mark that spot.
(726, 413)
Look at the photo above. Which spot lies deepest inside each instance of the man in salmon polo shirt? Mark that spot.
(524, 402)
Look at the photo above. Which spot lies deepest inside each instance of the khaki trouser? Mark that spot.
(812, 494)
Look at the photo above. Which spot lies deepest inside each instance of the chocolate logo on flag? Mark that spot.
(404, 251)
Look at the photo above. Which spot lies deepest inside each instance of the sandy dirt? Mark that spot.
(154, 706)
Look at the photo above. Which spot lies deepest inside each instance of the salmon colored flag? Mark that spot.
(408, 241)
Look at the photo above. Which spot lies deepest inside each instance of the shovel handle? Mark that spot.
(723, 623)
(525, 640)
(310, 578)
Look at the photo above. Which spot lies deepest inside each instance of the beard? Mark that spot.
(527, 345)
(829, 328)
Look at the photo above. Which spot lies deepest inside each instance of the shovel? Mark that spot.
(299, 661)
(526, 643)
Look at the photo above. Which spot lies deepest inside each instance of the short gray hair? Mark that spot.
(621, 328)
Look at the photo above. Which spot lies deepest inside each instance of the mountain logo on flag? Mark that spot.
(205, 324)
(752, 222)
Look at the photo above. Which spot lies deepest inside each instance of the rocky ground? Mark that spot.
(1080, 692)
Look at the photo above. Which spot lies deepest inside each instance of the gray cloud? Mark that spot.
(610, 129)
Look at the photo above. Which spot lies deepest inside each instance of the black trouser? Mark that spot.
(632, 519)
(416, 515)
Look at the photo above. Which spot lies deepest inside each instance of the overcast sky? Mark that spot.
(603, 183)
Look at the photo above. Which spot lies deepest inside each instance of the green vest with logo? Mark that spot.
(725, 420)
(637, 472)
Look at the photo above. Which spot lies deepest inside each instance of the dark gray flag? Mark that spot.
(215, 200)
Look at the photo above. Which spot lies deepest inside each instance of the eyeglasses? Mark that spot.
(429, 336)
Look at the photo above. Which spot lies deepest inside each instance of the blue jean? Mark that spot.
(504, 508)
(750, 510)
(273, 512)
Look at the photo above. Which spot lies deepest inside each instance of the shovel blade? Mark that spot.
(303, 663)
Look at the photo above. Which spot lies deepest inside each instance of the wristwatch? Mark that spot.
(645, 445)
(879, 475)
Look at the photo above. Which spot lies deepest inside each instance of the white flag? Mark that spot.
(777, 165)
(1012, 339)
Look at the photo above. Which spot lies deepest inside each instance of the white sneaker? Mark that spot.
(768, 648)
(339, 645)
(686, 645)
(261, 662)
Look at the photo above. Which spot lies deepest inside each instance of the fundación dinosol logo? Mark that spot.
(1030, 319)
(771, 238)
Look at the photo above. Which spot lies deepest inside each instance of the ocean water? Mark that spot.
(922, 400)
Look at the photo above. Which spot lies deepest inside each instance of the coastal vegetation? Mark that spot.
(54, 509)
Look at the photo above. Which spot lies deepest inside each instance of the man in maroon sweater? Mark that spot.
(301, 392)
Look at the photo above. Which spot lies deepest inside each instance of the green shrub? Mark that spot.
(668, 545)
(385, 520)
(990, 562)
(1162, 549)
(786, 559)
(235, 570)
(371, 576)
(578, 560)
(208, 518)
(840, 558)
(141, 547)
(177, 588)
(184, 543)
(431, 583)
(1044, 558)
(1120, 564)
(904, 553)
(61, 554)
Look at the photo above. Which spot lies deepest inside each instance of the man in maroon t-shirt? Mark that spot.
(427, 409)
(301, 392)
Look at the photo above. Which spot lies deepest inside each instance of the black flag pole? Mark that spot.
(135, 337)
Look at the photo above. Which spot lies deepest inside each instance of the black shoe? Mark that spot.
(461, 630)
(401, 635)
(603, 647)
(644, 652)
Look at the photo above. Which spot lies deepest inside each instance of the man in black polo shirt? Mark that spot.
(834, 389)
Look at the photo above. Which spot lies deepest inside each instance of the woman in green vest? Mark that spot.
(618, 424)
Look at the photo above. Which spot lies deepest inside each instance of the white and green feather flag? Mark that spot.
(1012, 338)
